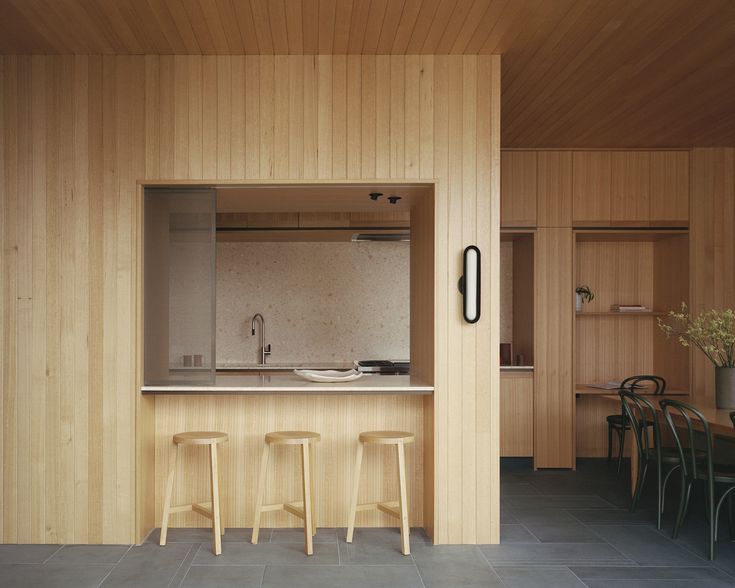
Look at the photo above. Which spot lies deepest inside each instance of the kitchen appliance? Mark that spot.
(386, 367)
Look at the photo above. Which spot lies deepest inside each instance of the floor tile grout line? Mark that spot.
(576, 576)
(43, 563)
(173, 577)
(107, 575)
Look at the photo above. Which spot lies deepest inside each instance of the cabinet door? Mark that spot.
(554, 189)
(591, 180)
(670, 188)
(179, 285)
(630, 188)
(518, 189)
(516, 414)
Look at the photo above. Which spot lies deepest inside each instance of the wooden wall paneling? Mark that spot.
(518, 189)
(630, 187)
(553, 339)
(711, 247)
(670, 188)
(516, 414)
(152, 118)
(670, 289)
(591, 184)
(554, 189)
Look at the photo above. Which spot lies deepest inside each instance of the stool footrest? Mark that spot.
(295, 508)
(390, 507)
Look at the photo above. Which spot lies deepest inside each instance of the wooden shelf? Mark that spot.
(610, 313)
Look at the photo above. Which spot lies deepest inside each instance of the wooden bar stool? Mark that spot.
(304, 509)
(397, 508)
(212, 510)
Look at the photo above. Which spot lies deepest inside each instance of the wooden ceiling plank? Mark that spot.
(342, 22)
(405, 26)
(438, 26)
(373, 26)
(327, 15)
(310, 19)
(200, 27)
(469, 26)
(182, 24)
(167, 26)
(228, 21)
(391, 20)
(486, 25)
(262, 25)
(512, 15)
(246, 24)
(279, 30)
(19, 35)
(36, 15)
(456, 22)
(421, 27)
(142, 20)
(294, 27)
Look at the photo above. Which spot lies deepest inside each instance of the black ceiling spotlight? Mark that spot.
(375, 195)
(393, 199)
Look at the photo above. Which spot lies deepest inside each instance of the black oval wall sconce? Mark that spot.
(469, 284)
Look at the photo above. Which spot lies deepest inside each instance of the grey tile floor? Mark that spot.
(558, 529)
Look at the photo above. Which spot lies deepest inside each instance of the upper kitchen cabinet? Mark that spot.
(630, 188)
(554, 180)
(518, 189)
(179, 285)
(670, 188)
(591, 183)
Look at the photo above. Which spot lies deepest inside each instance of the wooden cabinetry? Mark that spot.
(518, 189)
(641, 267)
(516, 414)
(670, 188)
(630, 187)
(591, 184)
(554, 188)
(553, 379)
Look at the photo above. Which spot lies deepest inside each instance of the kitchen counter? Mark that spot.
(516, 368)
(293, 384)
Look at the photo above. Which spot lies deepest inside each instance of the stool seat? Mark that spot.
(292, 437)
(387, 437)
(200, 438)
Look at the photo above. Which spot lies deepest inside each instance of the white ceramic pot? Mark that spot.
(578, 301)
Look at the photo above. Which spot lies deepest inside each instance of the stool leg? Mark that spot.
(313, 492)
(306, 485)
(403, 502)
(261, 491)
(355, 489)
(169, 496)
(216, 523)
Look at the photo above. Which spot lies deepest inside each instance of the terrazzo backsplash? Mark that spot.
(322, 302)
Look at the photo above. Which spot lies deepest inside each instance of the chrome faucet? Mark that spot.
(265, 350)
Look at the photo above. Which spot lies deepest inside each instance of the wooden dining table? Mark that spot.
(718, 419)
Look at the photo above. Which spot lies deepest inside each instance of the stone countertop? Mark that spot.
(293, 384)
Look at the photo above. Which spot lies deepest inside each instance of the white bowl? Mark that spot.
(329, 375)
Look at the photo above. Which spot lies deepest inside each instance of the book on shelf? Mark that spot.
(629, 308)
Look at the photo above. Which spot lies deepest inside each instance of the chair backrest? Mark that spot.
(641, 414)
(732, 418)
(692, 426)
(635, 382)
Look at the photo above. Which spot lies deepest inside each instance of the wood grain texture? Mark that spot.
(516, 414)
(78, 133)
(711, 249)
(630, 189)
(564, 85)
(670, 188)
(518, 189)
(554, 196)
(591, 185)
(553, 340)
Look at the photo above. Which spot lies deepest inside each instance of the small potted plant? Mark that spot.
(713, 333)
(583, 294)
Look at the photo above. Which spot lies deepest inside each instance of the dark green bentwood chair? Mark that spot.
(691, 430)
(619, 422)
(732, 418)
(643, 420)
